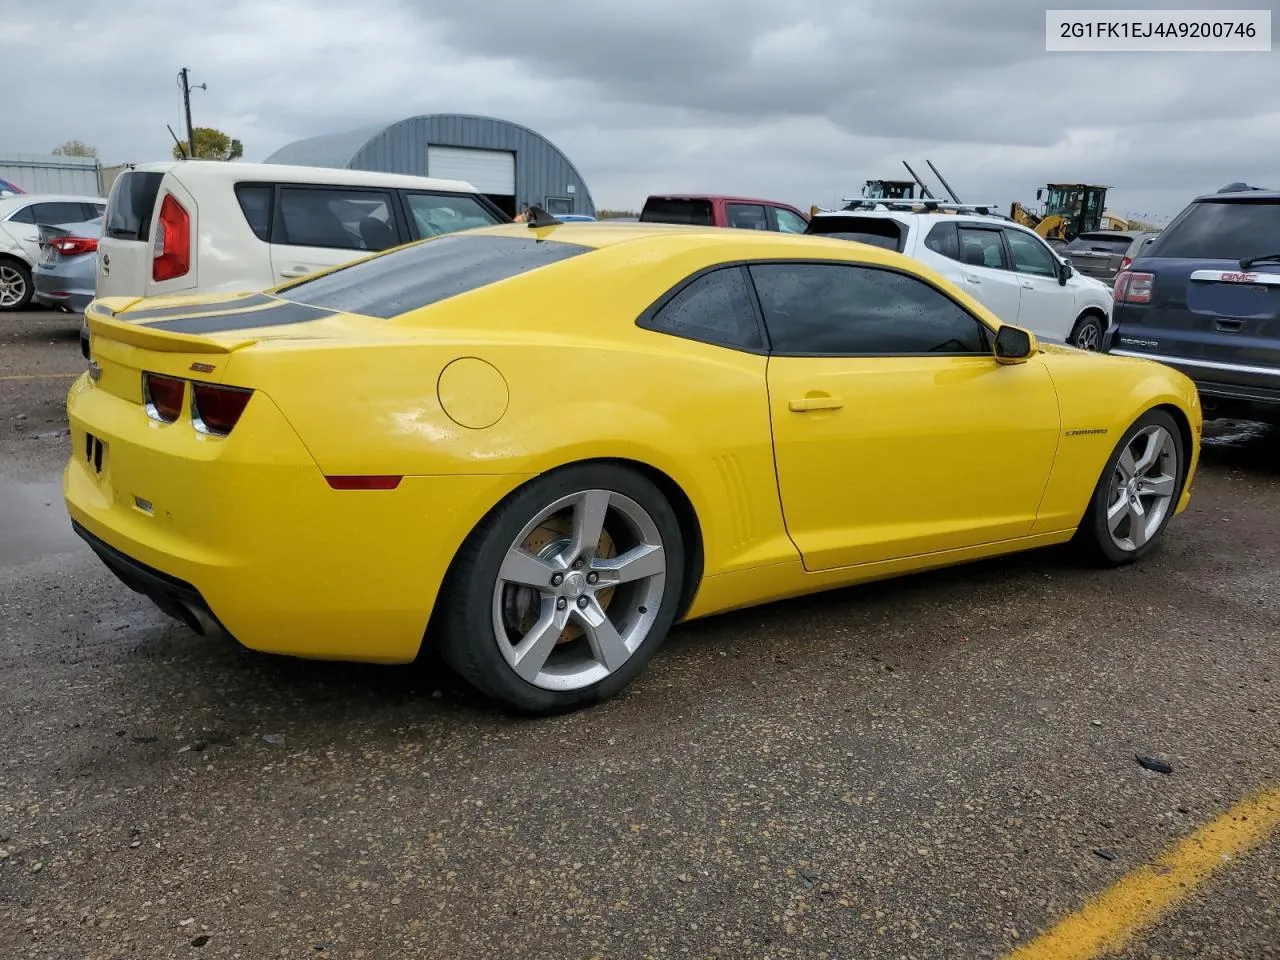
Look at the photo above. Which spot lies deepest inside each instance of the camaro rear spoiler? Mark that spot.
(100, 318)
(210, 324)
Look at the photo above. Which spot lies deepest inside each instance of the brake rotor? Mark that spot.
(552, 538)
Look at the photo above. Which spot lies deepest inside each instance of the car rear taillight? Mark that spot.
(74, 246)
(1126, 263)
(216, 410)
(1133, 287)
(162, 396)
(172, 251)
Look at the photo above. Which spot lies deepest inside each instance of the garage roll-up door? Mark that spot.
(489, 171)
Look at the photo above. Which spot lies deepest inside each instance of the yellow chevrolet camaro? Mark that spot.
(538, 447)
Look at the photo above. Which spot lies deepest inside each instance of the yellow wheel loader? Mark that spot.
(1069, 209)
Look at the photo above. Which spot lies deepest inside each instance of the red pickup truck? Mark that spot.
(712, 211)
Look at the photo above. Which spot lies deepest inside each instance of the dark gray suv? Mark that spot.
(1204, 298)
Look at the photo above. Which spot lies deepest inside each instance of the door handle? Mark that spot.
(972, 279)
(295, 272)
(1229, 326)
(1028, 285)
(805, 404)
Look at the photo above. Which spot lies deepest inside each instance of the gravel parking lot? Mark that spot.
(936, 767)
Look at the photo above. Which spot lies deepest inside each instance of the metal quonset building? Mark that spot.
(509, 163)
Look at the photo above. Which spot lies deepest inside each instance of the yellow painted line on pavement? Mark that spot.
(40, 376)
(1105, 924)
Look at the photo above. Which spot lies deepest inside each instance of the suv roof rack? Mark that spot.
(926, 205)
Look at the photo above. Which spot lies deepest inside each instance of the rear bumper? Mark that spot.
(67, 289)
(175, 597)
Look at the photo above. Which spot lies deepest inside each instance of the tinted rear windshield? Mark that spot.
(1109, 242)
(426, 273)
(664, 210)
(133, 198)
(1221, 230)
(877, 231)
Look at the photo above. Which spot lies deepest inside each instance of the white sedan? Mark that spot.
(21, 216)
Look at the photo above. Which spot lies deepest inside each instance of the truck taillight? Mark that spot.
(172, 251)
(1126, 263)
(74, 246)
(1133, 287)
(162, 396)
(216, 410)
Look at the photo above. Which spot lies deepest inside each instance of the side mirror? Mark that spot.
(1014, 345)
(1065, 270)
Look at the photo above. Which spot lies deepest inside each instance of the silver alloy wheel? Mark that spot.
(1142, 490)
(1087, 338)
(13, 286)
(569, 615)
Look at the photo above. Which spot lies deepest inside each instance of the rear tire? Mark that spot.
(563, 593)
(1088, 333)
(16, 287)
(1137, 493)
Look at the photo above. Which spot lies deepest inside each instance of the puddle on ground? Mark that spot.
(1233, 433)
(33, 522)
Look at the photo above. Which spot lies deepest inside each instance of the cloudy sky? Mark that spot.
(799, 100)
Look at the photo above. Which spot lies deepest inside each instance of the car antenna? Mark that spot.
(182, 147)
(537, 217)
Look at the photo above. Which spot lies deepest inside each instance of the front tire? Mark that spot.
(1137, 493)
(1088, 333)
(564, 592)
(16, 288)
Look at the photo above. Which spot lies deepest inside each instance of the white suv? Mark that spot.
(1005, 266)
(198, 226)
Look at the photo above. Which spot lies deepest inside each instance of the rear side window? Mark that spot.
(670, 210)
(713, 308)
(25, 215)
(427, 273)
(878, 231)
(982, 248)
(255, 203)
(336, 218)
(1221, 230)
(943, 239)
(434, 214)
(747, 216)
(821, 309)
(58, 212)
(129, 208)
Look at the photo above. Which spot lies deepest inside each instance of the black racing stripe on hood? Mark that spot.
(283, 314)
(217, 306)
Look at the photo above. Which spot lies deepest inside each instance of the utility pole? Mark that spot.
(185, 82)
